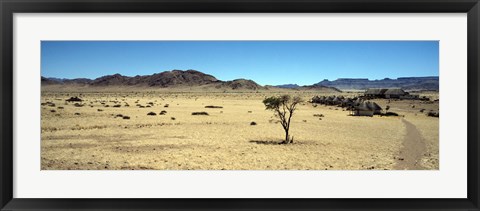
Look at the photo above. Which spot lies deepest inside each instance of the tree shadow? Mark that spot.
(280, 142)
(265, 142)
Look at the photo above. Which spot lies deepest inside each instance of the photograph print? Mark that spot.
(240, 105)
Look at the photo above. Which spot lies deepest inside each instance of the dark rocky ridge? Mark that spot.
(174, 78)
(163, 79)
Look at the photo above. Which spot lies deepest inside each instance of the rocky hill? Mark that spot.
(239, 84)
(407, 83)
(174, 78)
(163, 79)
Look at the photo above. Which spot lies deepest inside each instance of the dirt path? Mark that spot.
(413, 149)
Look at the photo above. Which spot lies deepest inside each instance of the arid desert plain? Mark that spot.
(96, 133)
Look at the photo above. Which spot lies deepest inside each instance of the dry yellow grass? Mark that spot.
(224, 139)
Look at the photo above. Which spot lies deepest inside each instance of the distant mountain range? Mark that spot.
(174, 78)
(288, 86)
(406, 83)
(193, 78)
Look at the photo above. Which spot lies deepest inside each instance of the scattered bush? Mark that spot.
(422, 110)
(200, 113)
(163, 112)
(74, 99)
(77, 114)
(172, 118)
(318, 115)
(53, 111)
(249, 112)
(212, 106)
(166, 105)
(433, 114)
(253, 123)
(117, 106)
(118, 115)
(60, 107)
(99, 109)
(78, 105)
(125, 117)
(151, 114)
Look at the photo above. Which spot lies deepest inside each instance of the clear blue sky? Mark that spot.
(266, 62)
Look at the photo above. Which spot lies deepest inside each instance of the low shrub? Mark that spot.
(212, 106)
(74, 99)
(200, 113)
(433, 114)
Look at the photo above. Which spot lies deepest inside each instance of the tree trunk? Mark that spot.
(287, 137)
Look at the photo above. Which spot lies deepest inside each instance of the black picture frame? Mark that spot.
(9, 7)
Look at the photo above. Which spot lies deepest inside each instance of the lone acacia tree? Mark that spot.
(283, 107)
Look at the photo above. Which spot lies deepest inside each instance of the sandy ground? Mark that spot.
(86, 138)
